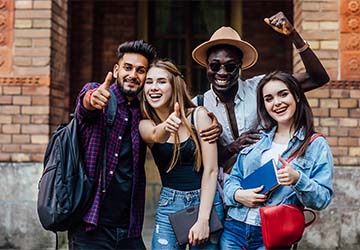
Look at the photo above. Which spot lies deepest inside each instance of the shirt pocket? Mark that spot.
(302, 164)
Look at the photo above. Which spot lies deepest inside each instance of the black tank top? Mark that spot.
(183, 176)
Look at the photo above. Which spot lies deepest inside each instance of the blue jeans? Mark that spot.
(171, 201)
(240, 236)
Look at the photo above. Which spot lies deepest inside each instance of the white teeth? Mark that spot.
(280, 110)
(155, 95)
(221, 81)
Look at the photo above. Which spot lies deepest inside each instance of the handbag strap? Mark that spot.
(294, 155)
(313, 218)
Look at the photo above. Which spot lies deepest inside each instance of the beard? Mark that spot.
(127, 92)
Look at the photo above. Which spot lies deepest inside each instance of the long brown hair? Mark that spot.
(303, 116)
(180, 95)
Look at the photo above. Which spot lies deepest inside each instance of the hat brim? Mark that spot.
(250, 54)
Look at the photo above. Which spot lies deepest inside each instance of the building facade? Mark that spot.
(50, 48)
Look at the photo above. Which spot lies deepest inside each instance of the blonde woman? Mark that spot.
(187, 164)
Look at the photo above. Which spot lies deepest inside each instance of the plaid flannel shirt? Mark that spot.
(92, 130)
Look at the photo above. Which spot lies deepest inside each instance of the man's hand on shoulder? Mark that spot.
(245, 139)
(213, 132)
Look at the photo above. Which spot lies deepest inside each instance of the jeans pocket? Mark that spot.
(163, 202)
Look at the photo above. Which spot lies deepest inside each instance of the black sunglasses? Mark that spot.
(229, 67)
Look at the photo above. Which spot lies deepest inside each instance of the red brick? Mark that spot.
(339, 93)
(35, 129)
(5, 119)
(13, 90)
(318, 93)
(33, 90)
(37, 157)
(33, 148)
(349, 161)
(354, 113)
(20, 139)
(348, 141)
(354, 132)
(349, 122)
(332, 140)
(329, 103)
(20, 157)
(337, 131)
(323, 130)
(6, 99)
(339, 112)
(5, 139)
(38, 110)
(39, 139)
(329, 5)
(4, 156)
(321, 112)
(7, 109)
(40, 14)
(40, 119)
(40, 100)
(20, 119)
(22, 100)
(354, 151)
(330, 122)
(339, 151)
(355, 93)
(10, 148)
(10, 129)
(348, 103)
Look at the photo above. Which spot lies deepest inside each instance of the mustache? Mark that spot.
(132, 80)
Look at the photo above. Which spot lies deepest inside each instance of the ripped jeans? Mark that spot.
(171, 201)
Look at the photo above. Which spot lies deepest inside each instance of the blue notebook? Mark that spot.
(264, 175)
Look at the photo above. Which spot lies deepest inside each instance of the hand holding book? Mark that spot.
(266, 176)
(250, 197)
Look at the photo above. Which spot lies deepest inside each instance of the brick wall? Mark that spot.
(336, 106)
(25, 81)
(318, 22)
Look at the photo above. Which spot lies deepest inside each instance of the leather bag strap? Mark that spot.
(294, 155)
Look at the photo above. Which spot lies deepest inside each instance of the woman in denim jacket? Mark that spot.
(286, 119)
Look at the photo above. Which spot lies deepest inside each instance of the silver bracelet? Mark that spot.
(304, 47)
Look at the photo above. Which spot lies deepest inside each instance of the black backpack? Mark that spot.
(65, 191)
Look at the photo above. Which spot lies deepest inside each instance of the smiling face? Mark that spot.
(130, 73)
(224, 77)
(158, 90)
(279, 102)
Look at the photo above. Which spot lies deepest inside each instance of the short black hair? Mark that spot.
(224, 46)
(139, 47)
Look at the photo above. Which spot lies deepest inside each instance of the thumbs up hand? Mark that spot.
(100, 97)
(173, 122)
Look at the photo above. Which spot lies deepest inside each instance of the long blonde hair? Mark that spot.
(180, 95)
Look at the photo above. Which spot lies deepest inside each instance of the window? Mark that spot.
(177, 27)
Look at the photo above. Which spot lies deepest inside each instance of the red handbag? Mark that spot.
(283, 225)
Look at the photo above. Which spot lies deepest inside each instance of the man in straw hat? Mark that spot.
(233, 100)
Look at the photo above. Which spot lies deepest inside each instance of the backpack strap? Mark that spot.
(111, 114)
(112, 108)
(200, 100)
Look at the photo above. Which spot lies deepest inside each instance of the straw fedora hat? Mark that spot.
(226, 35)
